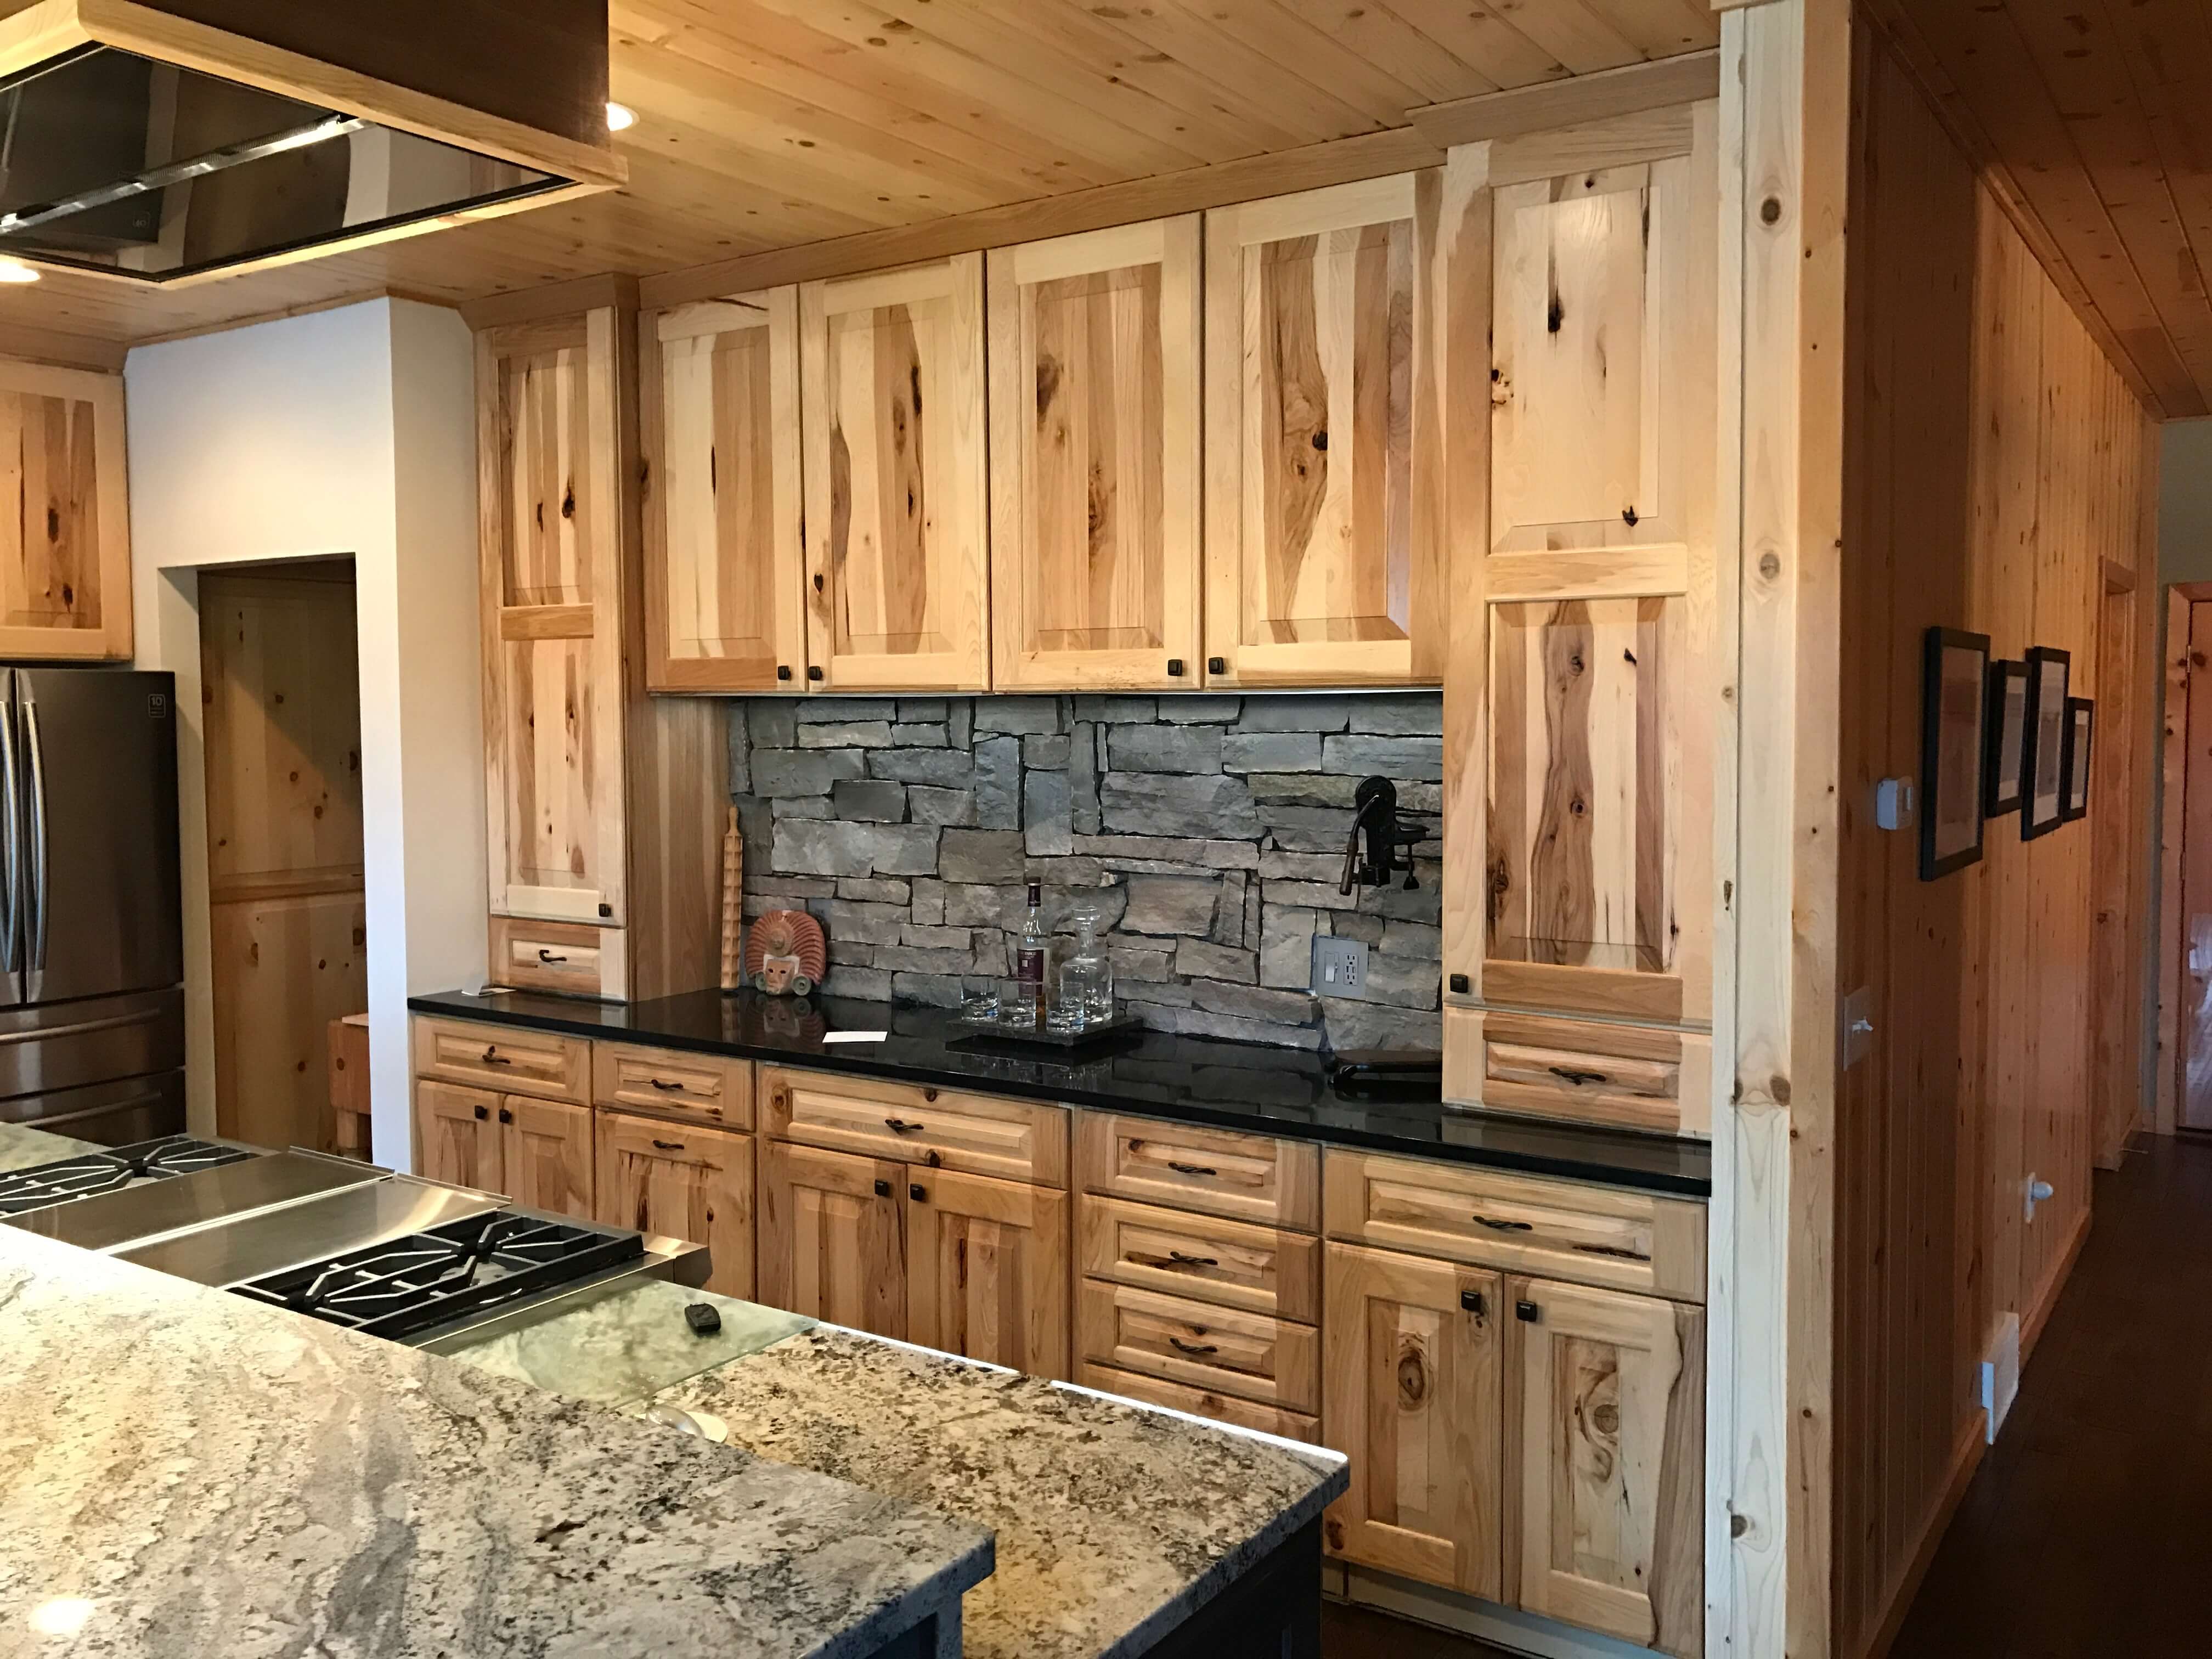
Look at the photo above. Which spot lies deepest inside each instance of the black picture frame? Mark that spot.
(2043, 749)
(2003, 776)
(2081, 751)
(1953, 749)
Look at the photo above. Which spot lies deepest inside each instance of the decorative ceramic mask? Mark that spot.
(785, 953)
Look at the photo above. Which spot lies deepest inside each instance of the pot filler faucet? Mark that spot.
(1390, 841)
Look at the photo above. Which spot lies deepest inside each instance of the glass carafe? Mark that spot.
(1086, 978)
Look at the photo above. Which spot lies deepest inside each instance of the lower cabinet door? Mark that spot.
(833, 1237)
(989, 1275)
(1412, 1393)
(456, 1134)
(545, 1147)
(692, 1184)
(1611, 1416)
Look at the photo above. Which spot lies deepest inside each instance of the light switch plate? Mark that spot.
(1340, 966)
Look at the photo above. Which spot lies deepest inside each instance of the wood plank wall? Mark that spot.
(1995, 463)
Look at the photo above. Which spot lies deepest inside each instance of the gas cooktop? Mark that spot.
(87, 1175)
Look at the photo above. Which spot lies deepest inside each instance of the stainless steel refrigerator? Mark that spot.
(91, 1003)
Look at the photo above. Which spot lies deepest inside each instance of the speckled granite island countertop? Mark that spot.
(183, 1472)
(1114, 1522)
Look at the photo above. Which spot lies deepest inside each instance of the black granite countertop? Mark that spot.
(1237, 1086)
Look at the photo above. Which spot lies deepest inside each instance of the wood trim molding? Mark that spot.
(45, 345)
(1343, 160)
(2118, 578)
(569, 298)
(1629, 90)
(1966, 1454)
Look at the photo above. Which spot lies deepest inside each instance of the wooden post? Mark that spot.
(733, 902)
(1785, 81)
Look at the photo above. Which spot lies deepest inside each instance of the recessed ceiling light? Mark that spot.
(15, 270)
(619, 117)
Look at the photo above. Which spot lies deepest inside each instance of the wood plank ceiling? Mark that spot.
(767, 124)
(2092, 121)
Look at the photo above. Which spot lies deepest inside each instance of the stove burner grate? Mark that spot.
(111, 1170)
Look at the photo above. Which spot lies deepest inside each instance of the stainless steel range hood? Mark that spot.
(165, 151)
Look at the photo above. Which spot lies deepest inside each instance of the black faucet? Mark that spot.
(1390, 841)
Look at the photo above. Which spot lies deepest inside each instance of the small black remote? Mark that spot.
(703, 1318)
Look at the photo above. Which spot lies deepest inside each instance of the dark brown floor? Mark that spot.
(2087, 1530)
(1359, 1633)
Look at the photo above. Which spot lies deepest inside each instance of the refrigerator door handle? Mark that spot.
(34, 954)
(11, 846)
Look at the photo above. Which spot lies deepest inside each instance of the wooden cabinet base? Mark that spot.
(833, 1237)
(689, 1183)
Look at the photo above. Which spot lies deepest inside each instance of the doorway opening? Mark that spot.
(287, 918)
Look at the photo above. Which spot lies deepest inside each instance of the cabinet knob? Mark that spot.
(783, 671)
(1527, 1312)
(918, 1193)
(1174, 668)
(1461, 984)
(504, 1115)
(482, 1112)
(1217, 664)
(882, 1189)
(813, 671)
(1472, 1302)
(606, 909)
(929, 1094)
(817, 582)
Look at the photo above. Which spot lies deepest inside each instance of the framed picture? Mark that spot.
(2002, 772)
(2043, 761)
(1954, 742)
(2080, 724)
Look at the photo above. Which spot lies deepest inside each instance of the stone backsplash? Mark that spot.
(1208, 830)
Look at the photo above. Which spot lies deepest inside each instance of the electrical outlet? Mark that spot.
(1340, 966)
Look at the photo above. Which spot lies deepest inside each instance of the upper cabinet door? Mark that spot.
(65, 517)
(1095, 420)
(897, 500)
(725, 522)
(550, 499)
(1583, 715)
(1323, 557)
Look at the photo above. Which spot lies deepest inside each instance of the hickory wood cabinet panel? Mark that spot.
(1413, 1394)
(1186, 1166)
(457, 1136)
(1272, 1362)
(1637, 1077)
(833, 1237)
(545, 1155)
(684, 1181)
(1609, 1530)
(64, 515)
(1095, 459)
(988, 1270)
(503, 1058)
(938, 1128)
(893, 450)
(709, 1090)
(1261, 1269)
(723, 509)
(1324, 559)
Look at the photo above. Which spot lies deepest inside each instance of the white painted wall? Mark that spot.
(2185, 502)
(345, 432)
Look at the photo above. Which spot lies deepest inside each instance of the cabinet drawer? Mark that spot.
(1217, 1350)
(938, 1128)
(501, 1057)
(1230, 1263)
(1254, 1178)
(696, 1088)
(1201, 1402)
(1626, 1075)
(1553, 1229)
(567, 956)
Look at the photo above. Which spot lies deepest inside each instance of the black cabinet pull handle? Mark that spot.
(493, 1057)
(929, 1094)
(669, 1145)
(882, 1189)
(1217, 664)
(1461, 984)
(1174, 668)
(1571, 1074)
(1191, 1168)
(1527, 1312)
(1619, 1252)
(1178, 1257)
(917, 1194)
(482, 1112)
(544, 955)
(664, 1088)
(783, 671)
(899, 1126)
(1498, 1226)
(504, 1115)
(1198, 1349)
(1472, 1302)
(813, 672)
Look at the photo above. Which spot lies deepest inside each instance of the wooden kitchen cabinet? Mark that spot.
(1413, 1394)
(545, 1155)
(64, 515)
(1324, 563)
(1610, 1417)
(724, 516)
(833, 1237)
(691, 1183)
(987, 1271)
(1095, 414)
(458, 1136)
(893, 444)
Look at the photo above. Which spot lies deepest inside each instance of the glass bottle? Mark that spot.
(1030, 956)
(1086, 978)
